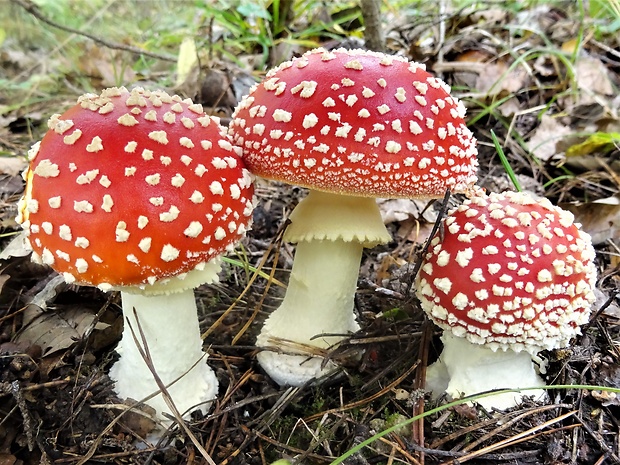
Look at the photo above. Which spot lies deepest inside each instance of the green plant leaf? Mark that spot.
(253, 10)
(253, 269)
(600, 142)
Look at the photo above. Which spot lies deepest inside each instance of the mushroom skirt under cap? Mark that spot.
(130, 188)
(512, 271)
(359, 123)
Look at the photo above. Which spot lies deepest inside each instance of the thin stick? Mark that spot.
(514, 439)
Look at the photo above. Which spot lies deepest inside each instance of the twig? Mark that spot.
(49, 384)
(442, 31)
(505, 424)
(363, 340)
(292, 449)
(597, 438)
(106, 457)
(265, 420)
(520, 414)
(417, 431)
(255, 275)
(455, 455)
(382, 374)
(402, 450)
(597, 313)
(259, 304)
(606, 48)
(29, 428)
(368, 284)
(436, 227)
(320, 437)
(34, 11)
(373, 31)
(525, 435)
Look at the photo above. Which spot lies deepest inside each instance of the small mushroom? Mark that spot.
(140, 192)
(350, 125)
(510, 275)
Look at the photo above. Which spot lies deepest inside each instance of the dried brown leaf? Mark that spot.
(18, 247)
(139, 420)
(55, 331)
(47, 294)
(7, 459)
(103, 63)
(12, 166)
(498, 77)
(592, 78)
(3, 279)
(606, 398)
(600, 218)
(398, 210)
(543, 141)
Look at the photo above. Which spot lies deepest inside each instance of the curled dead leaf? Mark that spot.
(543, 141)
(606, 398)
(18, 247)
(12, 166)
(55, 331)
(600, 218)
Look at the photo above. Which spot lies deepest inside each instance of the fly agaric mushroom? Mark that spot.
(510, 275)
(350, 125)
(140, 192)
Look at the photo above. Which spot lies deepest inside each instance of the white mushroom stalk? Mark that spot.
(331, 232)
(163, 329)
(306, 314)
(465, 369)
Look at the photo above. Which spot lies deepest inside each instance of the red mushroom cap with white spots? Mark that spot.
(131, 188)
(356, 122)
(510, 271)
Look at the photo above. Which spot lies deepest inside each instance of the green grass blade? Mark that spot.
(247, 266)
(504, 160)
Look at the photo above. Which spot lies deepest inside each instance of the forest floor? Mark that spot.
(543, 77)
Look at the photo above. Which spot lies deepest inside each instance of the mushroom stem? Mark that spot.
(331, 231)
(169, 323)
(464, 369)
(319, 299)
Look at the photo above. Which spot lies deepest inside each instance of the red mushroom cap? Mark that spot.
(509, 271)
(129, 188)
(359, 123)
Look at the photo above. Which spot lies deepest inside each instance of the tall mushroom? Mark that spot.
(140, 192)
(510, 275)
(350, 125)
